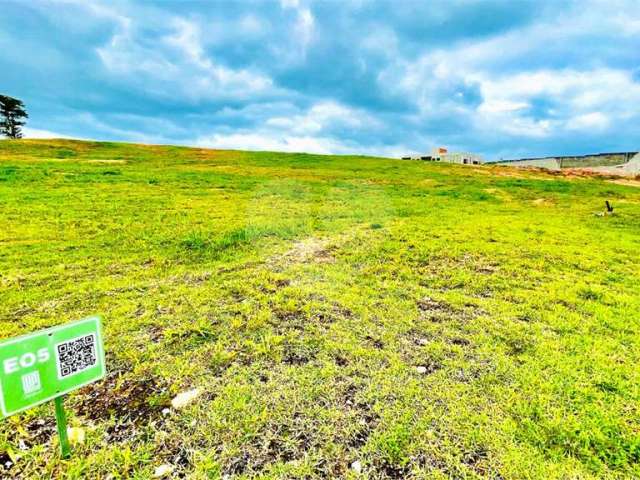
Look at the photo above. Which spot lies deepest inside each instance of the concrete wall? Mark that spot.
(631, 168)
(550, 163)
(582, 161)
(602, 160)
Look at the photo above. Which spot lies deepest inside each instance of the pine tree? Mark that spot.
(12, 115)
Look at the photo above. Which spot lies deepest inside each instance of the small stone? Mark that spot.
(163, 470)
(421, 370)
(185, 398)
(166, 411)
(356, 466)
(76, 435)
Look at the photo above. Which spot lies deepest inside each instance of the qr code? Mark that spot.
(75, 356)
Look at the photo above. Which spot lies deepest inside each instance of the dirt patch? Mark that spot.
(297, 319)
(315, 250)
(430, 366)
(5, 463)
(275, 285)
(23, 311)
(430, 305)
(156, 333)
(486, 269)
(298, 352)
(196, 278)
(107, 161)
(268, 447)
(237, 268)
(477, 460)
(462, 342)
(40, 431)
(283, 282)
(366, 425)
(341, 361)
(375, 342)
(132, 402)
(366, 419)
(284, 320)
(174, 452)
(518, 345)
(390, 470)
(440, 311)
(334, 313)
(627, 182)
(309, 250)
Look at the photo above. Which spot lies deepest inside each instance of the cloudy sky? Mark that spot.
(505, 78)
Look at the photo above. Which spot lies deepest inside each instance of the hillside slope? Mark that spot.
(425, 320)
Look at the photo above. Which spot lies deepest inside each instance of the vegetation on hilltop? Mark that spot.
(425, 320)
(12, 116)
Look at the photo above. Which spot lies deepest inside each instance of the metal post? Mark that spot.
(61, 419)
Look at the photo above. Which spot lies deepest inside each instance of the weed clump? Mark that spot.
(204, 245)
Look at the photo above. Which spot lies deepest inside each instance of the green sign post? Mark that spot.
(48, 364)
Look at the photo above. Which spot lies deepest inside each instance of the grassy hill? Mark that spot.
(425, 320)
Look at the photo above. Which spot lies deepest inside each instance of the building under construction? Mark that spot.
(441, 154)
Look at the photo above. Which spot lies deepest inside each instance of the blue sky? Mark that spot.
(505, 78)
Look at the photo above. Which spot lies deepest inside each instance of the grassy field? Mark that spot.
(425, 320)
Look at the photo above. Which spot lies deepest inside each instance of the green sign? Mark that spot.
(44, 365)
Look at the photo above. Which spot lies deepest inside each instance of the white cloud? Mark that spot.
(272, 141)
(29, 132)
(252, 25)
(589, 122)
(524, 100)
(500, 106)
(305, 26)
(290, 3)
(303, 29)
(324, 115)
(268, 141)
(592, 99)
(310, 131)
(179, 63)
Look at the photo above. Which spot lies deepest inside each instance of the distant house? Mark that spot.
(441, 154)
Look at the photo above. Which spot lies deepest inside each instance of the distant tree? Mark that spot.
(12, 115)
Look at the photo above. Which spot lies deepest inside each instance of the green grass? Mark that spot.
(300, 293)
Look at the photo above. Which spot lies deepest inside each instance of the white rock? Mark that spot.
(166, 411)
(421, 370)
(185, 398)
(76, 435)
(163, 470)
(356, 466)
